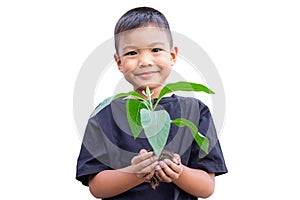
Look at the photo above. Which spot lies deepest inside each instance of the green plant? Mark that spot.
(142, 114)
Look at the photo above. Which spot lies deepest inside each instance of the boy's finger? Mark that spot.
(177, 158)
(141, 157)
(143, 151)
(175, 167)
(173, 170)
(162, 176)
(147, 167)
(148, 176)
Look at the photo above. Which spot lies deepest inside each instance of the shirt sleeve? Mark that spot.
(91, 152)
(213, 162)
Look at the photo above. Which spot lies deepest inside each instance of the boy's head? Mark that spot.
(144, 48)
(141, 17)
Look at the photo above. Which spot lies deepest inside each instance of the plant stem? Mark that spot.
(148, 94)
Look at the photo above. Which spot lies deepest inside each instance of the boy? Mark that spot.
(111, 162)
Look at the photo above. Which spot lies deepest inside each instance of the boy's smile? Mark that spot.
(145, 57)
(146, 75)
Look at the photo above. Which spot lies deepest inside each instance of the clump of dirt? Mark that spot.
(164, 155)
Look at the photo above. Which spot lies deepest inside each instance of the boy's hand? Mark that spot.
(144, 164)
(168, 170)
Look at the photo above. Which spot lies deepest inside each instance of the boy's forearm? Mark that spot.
(110, 183)
(196, 182)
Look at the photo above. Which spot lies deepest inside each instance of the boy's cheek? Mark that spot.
(128, 66)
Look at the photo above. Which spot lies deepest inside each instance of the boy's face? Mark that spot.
(145, 57)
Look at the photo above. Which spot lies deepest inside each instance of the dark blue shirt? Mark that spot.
(108, 144)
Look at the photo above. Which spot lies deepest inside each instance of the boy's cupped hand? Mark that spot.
(169, 170)
(143, 164)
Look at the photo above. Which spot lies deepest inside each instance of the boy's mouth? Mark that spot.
(146, 75)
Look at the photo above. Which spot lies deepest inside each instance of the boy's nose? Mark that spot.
(145, 59)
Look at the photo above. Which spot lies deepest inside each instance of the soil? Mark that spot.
(164, 155)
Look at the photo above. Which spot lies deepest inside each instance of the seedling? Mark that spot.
(142, 115)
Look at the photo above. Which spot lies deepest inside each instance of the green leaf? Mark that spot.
(133, 108)
(183, 86)
(156, 126)
(103, 104)
(131, 93)
(201, 140)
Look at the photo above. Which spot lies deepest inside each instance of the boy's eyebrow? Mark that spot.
(136, 47)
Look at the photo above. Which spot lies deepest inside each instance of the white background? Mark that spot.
(255, 46)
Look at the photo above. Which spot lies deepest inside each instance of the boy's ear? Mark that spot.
(173, 53)
(118, 61)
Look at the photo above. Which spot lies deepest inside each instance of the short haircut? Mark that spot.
(141, 17)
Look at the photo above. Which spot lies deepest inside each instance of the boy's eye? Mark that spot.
(155, 50)
(130, 53)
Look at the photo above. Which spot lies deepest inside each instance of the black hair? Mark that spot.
(141, 17)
